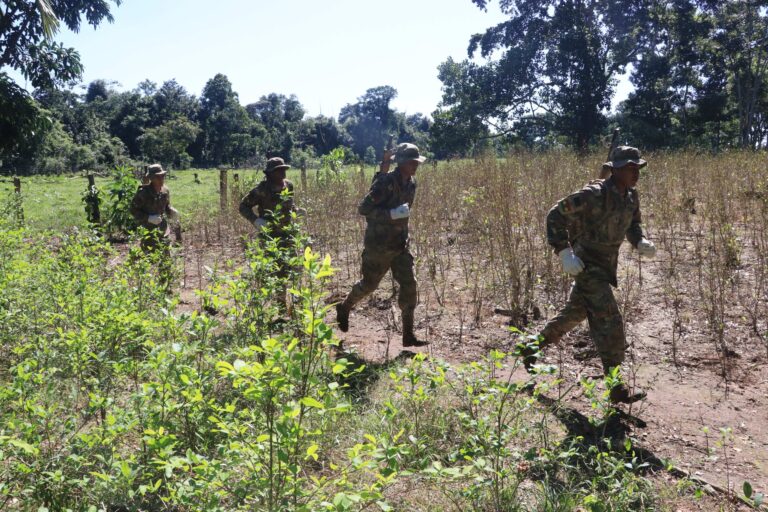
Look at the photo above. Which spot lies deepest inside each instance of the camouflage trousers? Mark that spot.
(592, 299)
(376, 263)
(156, 245)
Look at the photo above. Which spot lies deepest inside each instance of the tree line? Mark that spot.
(548, 73)
(544, 77)
(102, 127)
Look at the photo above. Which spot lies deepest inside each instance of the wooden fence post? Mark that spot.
(19, 205)
(93, 212)
(223, 189)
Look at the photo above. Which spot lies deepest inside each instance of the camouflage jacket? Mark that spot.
(271, 204)
(595, 221)
(387, 191)
(147, 202)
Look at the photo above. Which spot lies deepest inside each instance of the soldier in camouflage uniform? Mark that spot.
(586, 230)
(151, 208)
(268, 207)
(273, 200)
(387, 207)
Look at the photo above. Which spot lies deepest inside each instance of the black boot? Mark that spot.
(529, 355)
(409, 338)
(622, 394)
(342, 317)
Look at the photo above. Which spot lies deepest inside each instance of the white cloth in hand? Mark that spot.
(401, 212)
(260, 222)
(646, 248)
(155, 219)
(572, 264)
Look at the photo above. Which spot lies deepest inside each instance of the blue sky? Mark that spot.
(327, 53)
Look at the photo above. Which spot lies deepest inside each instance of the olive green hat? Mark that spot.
(155, 170)
(623, 155)
(274, 164)
(406, 152)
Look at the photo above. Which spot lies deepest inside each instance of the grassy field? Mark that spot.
(55, 202)
(116, 395)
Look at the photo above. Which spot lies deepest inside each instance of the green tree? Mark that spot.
(171, 101)
(26, 45)
(168, 142)
(281, 117)
(22, 126)
(370, 120)
(551, 63)
(743, 35)
(227, 133)
(324, 134)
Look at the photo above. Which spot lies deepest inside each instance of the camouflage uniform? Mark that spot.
(274, 204)
(148, 202)
(271, 204)
(386, 242)
(594, 221)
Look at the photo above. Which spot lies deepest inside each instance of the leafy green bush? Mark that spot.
(112, 399)
(117, 215)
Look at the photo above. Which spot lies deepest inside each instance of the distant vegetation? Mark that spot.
(546, 79)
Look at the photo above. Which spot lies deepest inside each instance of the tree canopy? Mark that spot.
(698, 68)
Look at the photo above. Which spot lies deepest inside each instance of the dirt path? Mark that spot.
(687, 406)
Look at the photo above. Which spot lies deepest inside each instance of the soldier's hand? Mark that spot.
(155, 219)
(646, 248)
(572, 264)
(401, 212)
(387, 157)
(260, 223)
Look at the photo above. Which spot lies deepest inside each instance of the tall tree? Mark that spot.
(370, 120)
(27, 29)
(743, 35)
(171, 101)
(281, 117)
(324, 134)
(226, 136)
(26, 37)
(552, 62)
(168, 142)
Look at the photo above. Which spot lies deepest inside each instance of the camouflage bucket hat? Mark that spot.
(623, 155)
(274, 164)
(406, 152)
(155, 170)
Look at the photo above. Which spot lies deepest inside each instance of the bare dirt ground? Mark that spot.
(688, 403)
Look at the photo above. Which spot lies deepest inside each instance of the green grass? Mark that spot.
(55, 202)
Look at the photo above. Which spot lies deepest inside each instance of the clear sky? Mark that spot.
(327, 53)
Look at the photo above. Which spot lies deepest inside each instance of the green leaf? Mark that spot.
(125, 469)
(312, 451)
(311, 402)
(28, 448)
(747, 490)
